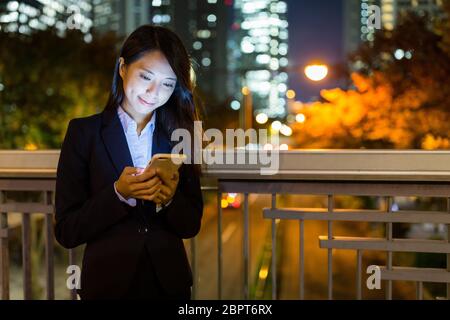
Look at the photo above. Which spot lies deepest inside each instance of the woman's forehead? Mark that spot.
(156, 62)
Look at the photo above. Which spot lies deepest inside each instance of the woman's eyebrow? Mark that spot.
(149, 71)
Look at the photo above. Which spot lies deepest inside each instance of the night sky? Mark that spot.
(315, 32)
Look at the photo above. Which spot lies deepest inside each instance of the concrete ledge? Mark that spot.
(329, 165)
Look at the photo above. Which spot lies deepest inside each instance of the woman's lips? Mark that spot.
(148, 104)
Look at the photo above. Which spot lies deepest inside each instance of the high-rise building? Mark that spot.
(356, 30)
(204, 27)
(120, 16)
(27, 15)
(163, 11)
(357, 13)
(259, 48)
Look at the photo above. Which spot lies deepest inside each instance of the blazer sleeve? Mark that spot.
(81, 216)
(184, 214)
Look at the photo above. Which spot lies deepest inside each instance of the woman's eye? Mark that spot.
(168, 85)
(145, 77)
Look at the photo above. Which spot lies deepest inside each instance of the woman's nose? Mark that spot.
(153, 89)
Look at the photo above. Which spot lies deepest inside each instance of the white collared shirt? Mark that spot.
(140, 146)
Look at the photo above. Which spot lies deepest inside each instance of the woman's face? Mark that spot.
(147, 83)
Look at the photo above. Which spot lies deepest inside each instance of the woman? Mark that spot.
(132, 221)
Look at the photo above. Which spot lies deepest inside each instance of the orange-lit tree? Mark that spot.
(400, 98)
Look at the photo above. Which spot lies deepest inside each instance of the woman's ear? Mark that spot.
(122, 67)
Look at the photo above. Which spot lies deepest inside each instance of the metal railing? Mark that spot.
(330, 242)
(329, 173)
(27, 210)
(380, 173)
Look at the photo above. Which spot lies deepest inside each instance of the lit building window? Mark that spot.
(203, 34)
(211, 18)
(156, 3)
(197, 45)
(206, 62)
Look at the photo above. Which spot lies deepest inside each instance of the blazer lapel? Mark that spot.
(116, 144)
(160, 143)
(115, 141)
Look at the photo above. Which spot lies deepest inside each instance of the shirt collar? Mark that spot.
(130, 126)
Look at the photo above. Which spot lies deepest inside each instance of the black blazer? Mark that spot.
(93, 155)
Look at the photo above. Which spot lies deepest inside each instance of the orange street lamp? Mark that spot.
(316, 72)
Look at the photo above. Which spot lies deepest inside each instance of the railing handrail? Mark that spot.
(331, 165)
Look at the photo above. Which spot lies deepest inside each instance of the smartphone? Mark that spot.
(167, 162)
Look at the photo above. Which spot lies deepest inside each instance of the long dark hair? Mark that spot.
(180, 110)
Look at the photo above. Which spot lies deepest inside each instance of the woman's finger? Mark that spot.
(165, 190)
(161, 196)
(149, 197)
(148, 191)
(146, 185)
(146, 175)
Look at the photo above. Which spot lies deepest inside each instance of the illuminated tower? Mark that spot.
(120, 16)
(259, 53)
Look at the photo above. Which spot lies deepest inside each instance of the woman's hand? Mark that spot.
(139, 184)
(168, 187)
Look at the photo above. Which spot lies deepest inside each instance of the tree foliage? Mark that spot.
(47, 80)
(398, 101)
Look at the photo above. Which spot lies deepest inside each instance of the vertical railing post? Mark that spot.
(4, 252)
(72, 262)
(302, 259)
(246, 248)
(26, 256)
(448, 254)
(358, 274)
(219, 245)
(49, 249)
(419, 290)
(274, 251)
(330, 250)
(388, 201)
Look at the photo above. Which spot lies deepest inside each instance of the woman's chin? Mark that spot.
(145, 110)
